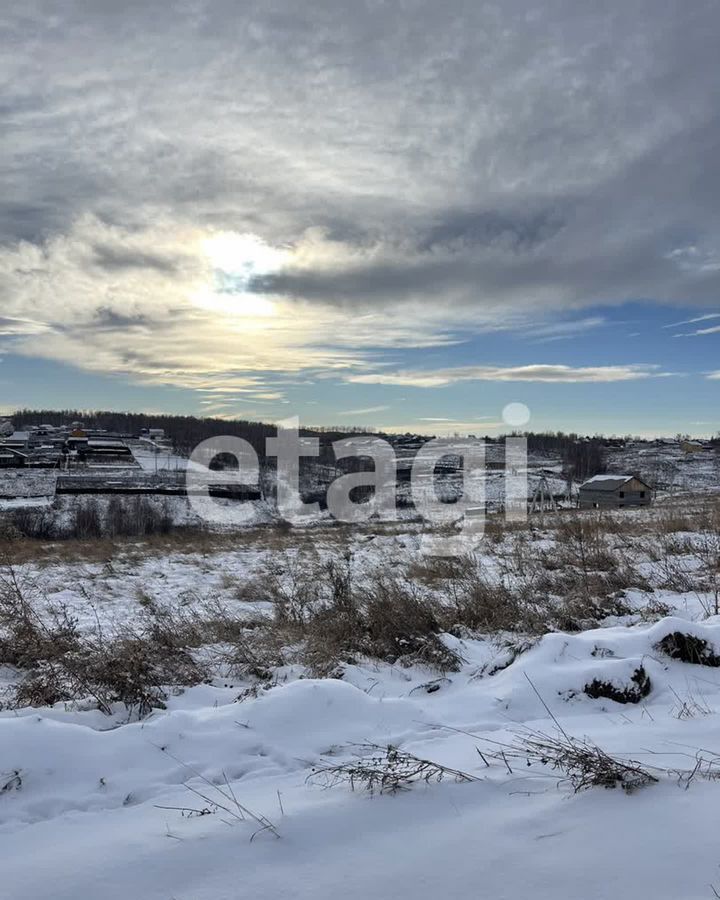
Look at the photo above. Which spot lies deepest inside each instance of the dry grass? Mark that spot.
(580, 763)
(336, 614)
(59, 662)
(385, 770)
(331, 605)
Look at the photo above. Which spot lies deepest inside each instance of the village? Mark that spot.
(40, 463)
(72, 446)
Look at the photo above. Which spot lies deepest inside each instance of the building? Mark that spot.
(77, 442)
(107, 449)
(692, 446)
(12, 459)
(614, 492)
(18, 440)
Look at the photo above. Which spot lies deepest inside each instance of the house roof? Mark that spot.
(609, 482)
(11, 451)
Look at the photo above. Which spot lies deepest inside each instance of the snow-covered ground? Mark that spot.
(19, 483)
(155, 457)
(91, 811)
(99, 806)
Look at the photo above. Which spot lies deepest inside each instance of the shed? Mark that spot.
(11, 458)
(108, 448)
(614, 492)
(692, 446)
(18, 440)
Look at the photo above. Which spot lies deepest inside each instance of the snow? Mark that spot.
(91, 809)
(24, 502)
(92, 804)
(607, 478)
(454, 840)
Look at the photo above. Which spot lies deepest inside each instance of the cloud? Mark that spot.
(715, 329)
(444, 427)
(173, 324)
(693, 321)
(430, 173)
(113, 259)
(547, 374)
(163, 324)
(362, 412)
(445, 419)
(11, 327)
(560, 331)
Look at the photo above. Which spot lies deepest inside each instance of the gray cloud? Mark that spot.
(108, 320)
(501, 160)
(114, 259)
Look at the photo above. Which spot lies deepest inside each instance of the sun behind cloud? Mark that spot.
(243, 254)
(234, 260)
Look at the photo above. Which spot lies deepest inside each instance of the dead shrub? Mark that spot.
(88, 520)
(672, 520)
(242, 646)
(335, 615)
(131, 670)
(385, 617)
(688, 648)
(9, 530)
(564, 599)
(582, 763)
(58, 662)
(402, 626)
(252, 649)
(583, 543)
(35, 523)
(484, 607)
(469, 600)
(337, 634)
(290, 581)
(434, 571)
(639, 687)
(135, 517)
(577, 612)
(385, 770)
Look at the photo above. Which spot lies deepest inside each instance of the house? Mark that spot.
(18, 440)
(77, 441)
(692, 446)
(107, 448)
(12, 459)
(614, 492)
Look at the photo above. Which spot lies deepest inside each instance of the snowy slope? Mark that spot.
(81, 815)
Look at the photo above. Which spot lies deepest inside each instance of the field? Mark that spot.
(278, 712)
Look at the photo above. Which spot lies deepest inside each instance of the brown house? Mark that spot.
(614, 492)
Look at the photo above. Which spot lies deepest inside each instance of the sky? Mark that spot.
(401, 215)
